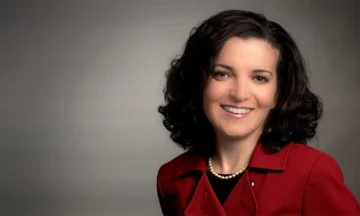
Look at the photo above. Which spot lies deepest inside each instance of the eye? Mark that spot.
(220, 75)
(261, 79)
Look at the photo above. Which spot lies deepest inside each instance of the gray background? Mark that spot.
(80, 83)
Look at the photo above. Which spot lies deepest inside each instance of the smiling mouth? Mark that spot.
(237, 111)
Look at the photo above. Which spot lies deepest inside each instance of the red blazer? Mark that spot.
(298, 180)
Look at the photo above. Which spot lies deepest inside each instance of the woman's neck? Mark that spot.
(233, 155)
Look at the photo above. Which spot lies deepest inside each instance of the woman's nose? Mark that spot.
(240, 90)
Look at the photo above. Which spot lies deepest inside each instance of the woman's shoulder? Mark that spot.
(170, 168)
(305, 157)
(306, 153)
(176, 160)
(325, 190)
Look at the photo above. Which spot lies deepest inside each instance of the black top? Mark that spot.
(222, 187)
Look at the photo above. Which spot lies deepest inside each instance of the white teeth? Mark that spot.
(236, 110)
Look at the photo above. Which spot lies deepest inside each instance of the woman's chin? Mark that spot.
(235, 134)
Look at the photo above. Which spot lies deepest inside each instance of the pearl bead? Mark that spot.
(225, 177)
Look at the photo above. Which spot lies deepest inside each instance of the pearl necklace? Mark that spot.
(225, 177)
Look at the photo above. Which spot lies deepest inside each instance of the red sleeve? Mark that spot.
(326, 192)
(164, 201)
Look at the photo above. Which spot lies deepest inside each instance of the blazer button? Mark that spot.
(252, 183)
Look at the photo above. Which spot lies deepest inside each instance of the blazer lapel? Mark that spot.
(204, 200)
(241, 200)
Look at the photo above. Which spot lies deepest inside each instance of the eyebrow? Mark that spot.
(232, 69)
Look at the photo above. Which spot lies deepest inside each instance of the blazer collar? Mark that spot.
(261, 159)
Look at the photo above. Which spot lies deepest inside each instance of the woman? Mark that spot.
(238, 101)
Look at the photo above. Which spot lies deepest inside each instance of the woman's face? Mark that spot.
(242, 90)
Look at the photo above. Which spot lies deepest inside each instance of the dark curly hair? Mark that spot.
(295, 117)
